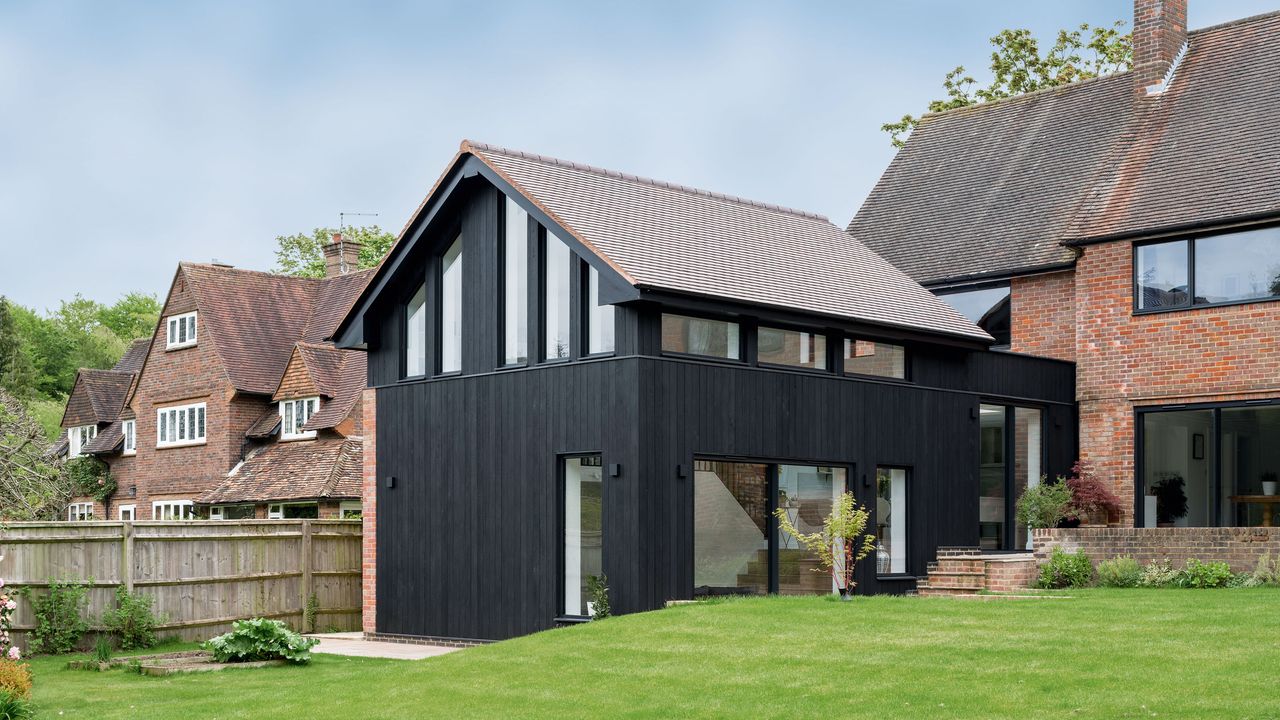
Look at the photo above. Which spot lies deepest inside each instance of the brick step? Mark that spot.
(954, 582)
(947, 592)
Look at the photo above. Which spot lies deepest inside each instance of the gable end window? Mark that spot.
(181, 425)
(181, 331)
(129, 430)
(556, 298)
(415, 334)
(294, 415)
(1224, 269)
(600, 318)
(451, 308)
(515, 287)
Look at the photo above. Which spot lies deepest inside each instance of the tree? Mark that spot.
(1018, 67)
(133, 316)
(302, 255)
(17, 373)
(32, 487)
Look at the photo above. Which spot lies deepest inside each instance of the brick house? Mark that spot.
(1130, 224)
(236, 407)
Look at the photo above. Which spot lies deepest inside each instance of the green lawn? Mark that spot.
(1101, 654)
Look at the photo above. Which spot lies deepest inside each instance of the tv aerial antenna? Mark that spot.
(342, 238)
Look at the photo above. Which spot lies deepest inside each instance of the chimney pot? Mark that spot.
(341, 256)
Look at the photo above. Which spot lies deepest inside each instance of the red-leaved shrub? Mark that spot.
(1090, 495)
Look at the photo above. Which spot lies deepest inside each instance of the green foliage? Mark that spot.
(132, 316)
(48, 413)
(1121, 572)
(598, 589)
(31, 486)
(1204, 575)
(102, 649)
(1044, 505)
(260, 639)
(309, 612)
(90, 476)
(15, 678)
(1066, 569)
(1267, 570)
(1018, 67)
(844, 527)
(132, 621)
(17, 374)
(60, 617)
(13, 707)
(302, 255)
(1158, 574)
(1171, 497)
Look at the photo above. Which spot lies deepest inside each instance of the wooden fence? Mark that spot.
(202, 574)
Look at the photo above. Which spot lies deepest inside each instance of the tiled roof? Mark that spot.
(265, 426)
(134, 356)
(997, 188)
(302, 470)
(337, 374)
(107, 440)
(1208, 150)
(97, 397)
(58, 448)
(256, 318)
(668, 237)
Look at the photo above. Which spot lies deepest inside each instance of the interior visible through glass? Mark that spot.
(730, 521)
(583, 536)
(806, 494)
(891, 521)
(991, 478)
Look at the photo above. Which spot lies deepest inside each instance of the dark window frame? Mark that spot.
(906, 501)
(1191, 304)
(584, 313)
(1010, 460)
(743, 329)
(455, 235)
(402, 319)
(906, 359)
(544, 240)
(562, 463)
(824, 333)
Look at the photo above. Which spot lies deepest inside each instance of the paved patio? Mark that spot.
(353, 644)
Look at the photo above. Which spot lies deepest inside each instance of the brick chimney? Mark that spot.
(1159, 32)
(341, 256)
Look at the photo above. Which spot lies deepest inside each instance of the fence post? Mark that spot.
(307, 585)
(126, 556)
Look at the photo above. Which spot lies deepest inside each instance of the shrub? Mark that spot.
(1123, 572)
(1266, 572)
(1204, 575)
(1158, 574)
(90, 476)
(1044, 505)
(598, 589)
(845, 526)
(1089, 495)
(260, 639)
(309, 613)
(102, 650)
(132, 621)
(59, 615)
(1066, 570)
(15, 679)
(13, 707)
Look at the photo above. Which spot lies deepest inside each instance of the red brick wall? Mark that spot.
(1044, 315)
(369, 561)
(1126, 360)
(1240, 547)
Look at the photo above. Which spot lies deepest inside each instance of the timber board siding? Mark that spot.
(202, 575)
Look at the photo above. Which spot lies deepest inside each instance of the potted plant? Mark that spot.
(841, 543)
(1092, 502)
(1171, 498)
(1268, 483)
(1043, 506)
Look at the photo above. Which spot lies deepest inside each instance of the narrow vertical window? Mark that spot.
(583, 539)
(555, 274)
(130, 437)
(515, 292)
(451, 308)
(599, 317)
(891, 521)
(415, 334)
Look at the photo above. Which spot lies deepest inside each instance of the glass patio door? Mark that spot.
(1011, 459)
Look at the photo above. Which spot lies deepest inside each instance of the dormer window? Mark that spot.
(294, 415)
(78, 437)
(182, 331)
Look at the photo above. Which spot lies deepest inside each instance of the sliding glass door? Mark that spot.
(738, 547)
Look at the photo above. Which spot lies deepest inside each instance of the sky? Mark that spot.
(137, 135)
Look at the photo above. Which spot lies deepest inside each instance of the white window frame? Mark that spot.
(78, 437)
(347, 506)
(80, 512)
(131, 509)
(194, 414)
(290, 428)
(275, 511)
(219, 512)
(183, 509)
(129, 428)
(176, 326)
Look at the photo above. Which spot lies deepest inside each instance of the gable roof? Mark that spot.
(658, 236)
(96, 397)
(300, 470)
(997, 189)
(337, 375)
(256, 318)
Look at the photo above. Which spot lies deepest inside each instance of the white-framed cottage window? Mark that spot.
(130, 431)
(231, 512)
(79, 512)
(180, 425)
(181, 331)
(350, 510)
(128, 513)
(78, 437)
(294, 415)
(293, 511)
(172, 510)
